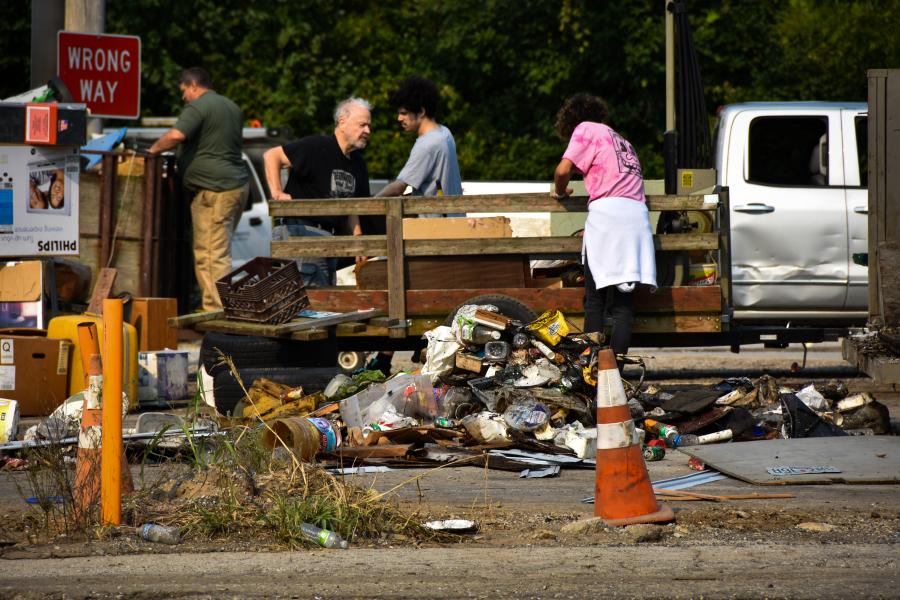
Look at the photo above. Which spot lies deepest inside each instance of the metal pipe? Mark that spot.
(157, 227)
(670, 66)
(147, 227)
(107, 208)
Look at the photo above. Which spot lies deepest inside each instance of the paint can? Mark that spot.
(9, 420)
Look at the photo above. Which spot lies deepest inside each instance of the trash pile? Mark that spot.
(490, 383)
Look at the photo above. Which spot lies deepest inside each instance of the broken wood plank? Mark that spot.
(186, 321)
(105, 281)
(379, 451)
(326, 409)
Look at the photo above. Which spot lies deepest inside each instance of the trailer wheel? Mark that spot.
(508, 306)
(351, 361)
(227, 392)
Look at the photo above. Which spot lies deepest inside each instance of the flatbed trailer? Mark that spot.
(396, 317)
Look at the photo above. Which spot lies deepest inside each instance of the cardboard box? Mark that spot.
(456, 228)
(163, 375)
(150, 317)
(21, 286)
(34, 371)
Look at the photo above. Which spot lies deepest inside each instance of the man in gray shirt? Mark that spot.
(432, 169)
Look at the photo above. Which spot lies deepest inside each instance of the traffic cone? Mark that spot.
(624, 495)
(87, 485)
(86, 489)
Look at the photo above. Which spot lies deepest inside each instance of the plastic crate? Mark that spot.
(264, 290)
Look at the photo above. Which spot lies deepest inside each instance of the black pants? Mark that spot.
(608, 300)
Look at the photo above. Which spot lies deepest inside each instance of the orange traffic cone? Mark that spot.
(624, 495)
(87, 485)
(87, 460)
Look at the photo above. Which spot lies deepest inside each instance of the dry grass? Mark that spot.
(249, 491)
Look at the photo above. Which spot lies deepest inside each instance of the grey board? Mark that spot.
(861, 459)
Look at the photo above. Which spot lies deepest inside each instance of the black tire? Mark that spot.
(508, 306)
(672, 268)
(248, 352)
(227, 391)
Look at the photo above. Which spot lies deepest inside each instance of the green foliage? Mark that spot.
(503, 66)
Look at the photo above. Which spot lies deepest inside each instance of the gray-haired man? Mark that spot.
(323, 166)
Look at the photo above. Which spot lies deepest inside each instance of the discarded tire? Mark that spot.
(228, 392)
(508, 306)
(248, 352)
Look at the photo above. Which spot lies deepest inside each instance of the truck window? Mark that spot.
(789, 151)
(862, 149)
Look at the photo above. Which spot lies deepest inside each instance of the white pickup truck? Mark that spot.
(797, 179)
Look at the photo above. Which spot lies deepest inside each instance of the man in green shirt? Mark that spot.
(209, 133)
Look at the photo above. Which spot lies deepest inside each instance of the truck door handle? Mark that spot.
(255, 221)
(863, 210)
(755, 207)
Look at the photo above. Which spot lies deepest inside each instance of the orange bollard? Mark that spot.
(111, 457)
(624, 494)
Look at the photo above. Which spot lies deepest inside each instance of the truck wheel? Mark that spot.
(672, 268)
(351, 361)
(227, 391)
(508, 306)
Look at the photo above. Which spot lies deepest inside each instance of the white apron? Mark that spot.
(618, 244)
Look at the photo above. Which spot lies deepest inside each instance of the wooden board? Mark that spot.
(687, 299)
(487, 203)
(292, 328)
(102, 288)
(861, 459)
(377, 245)
(444, 272)
(446, 228)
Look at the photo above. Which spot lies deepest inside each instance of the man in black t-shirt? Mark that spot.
(323, 166)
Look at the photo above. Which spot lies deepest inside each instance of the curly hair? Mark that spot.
(577, 109)
(414, 94)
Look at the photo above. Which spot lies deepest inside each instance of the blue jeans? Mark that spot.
(316, 271)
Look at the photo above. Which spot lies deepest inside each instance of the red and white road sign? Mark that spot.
(102, 71)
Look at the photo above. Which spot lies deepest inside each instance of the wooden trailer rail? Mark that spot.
(682, 309)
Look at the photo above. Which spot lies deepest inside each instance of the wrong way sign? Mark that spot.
(102, 71)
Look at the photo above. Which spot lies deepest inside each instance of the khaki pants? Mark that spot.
(215, 216)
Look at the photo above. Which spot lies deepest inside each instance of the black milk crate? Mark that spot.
(264, 290)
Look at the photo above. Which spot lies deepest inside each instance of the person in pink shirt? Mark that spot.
(617, 252)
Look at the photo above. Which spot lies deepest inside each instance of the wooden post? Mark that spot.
(396, 283)
(111, 448)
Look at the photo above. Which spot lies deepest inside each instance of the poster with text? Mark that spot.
(39, 201)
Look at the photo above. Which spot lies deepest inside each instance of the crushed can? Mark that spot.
(654, 453)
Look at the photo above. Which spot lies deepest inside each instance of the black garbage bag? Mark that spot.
(800, 421)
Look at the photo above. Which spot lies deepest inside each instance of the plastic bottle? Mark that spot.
(483, 335)
(160, 534)
(322, 537)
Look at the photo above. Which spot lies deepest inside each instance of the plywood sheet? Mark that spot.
(861, 459)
